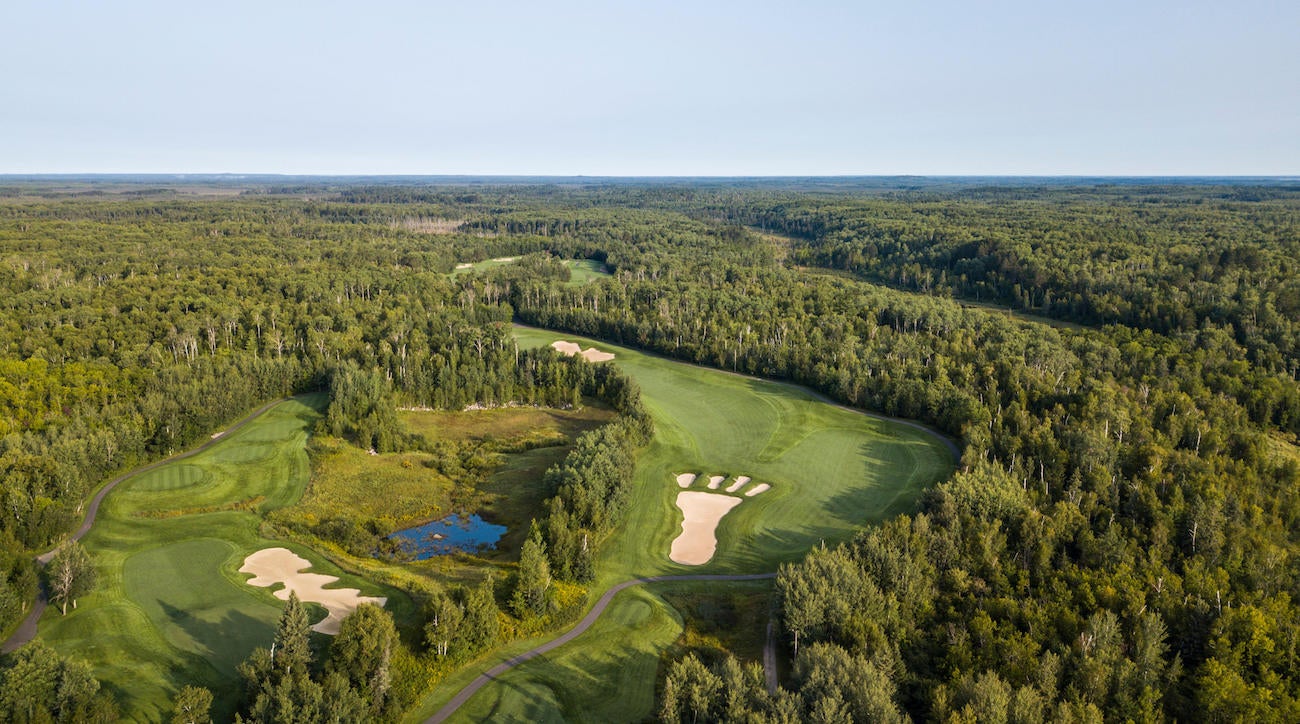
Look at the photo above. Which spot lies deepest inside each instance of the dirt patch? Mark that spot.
(591, 354)
(270, 566)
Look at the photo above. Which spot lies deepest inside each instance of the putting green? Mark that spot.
(170, 608)
(832, 471)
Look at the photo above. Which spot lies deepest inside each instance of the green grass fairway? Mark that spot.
(832, 471)
(584, 270)
(581, 270)
(605, 675)
(171, 607)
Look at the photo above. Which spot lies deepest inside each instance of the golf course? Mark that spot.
(171, 607)
(830, 471)
(760, 472)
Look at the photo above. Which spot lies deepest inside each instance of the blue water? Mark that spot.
(452, 534)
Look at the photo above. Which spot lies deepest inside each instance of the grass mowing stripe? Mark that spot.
(171, 608)
(832, 471)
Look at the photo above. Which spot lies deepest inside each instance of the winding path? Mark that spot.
(460, 698)
(769, 648)
(26, 630)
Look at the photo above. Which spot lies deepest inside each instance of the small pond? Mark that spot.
(453, 534)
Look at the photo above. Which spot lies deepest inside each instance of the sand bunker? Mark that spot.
(591, 354)
(505, 259)
(465, 265)
(697, 542)
(281, 565)
(701, 513)
(741, 481)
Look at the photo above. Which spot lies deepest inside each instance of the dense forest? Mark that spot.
(1118, 362)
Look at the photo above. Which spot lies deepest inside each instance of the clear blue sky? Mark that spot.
(651, 88)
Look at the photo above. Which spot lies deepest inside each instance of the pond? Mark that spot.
(453, 534)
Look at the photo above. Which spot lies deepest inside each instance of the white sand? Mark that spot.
(702, 512)
(591, 355)
(216, 435)
(281, 565)
(466, 265)
(760, 488)
(740, 483)
(685, 479)
(504, 259)
(715, 481)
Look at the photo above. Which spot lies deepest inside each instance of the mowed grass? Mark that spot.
(581, 271)
(171, 607)
(832, 471)
(605, 675)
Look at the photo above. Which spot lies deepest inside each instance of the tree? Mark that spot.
(71, 574)
(444, 616)
(41, 686)
(278, 682)
(694, 689)
(533, 591)
(291, 650)
(362, 653)
(481, 625)
(193, 705)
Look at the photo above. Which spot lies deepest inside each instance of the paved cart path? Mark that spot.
(26, 631)
(573, 633)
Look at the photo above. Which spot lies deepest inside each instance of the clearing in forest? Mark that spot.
(171, 607)
(830, 471)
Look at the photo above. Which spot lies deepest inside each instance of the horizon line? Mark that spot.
(235, 175)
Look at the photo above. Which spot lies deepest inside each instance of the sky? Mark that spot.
(651, 88)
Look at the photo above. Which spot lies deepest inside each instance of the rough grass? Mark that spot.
(832, 471)
(504, 423)
(397, 489)
(170, 608)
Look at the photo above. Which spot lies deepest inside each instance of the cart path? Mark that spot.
(26, 631)
(460, 698)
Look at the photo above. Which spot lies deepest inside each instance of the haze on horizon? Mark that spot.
(642, 89)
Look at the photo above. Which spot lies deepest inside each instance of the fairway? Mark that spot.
(581, 271)
(831, 471)
(171, 608)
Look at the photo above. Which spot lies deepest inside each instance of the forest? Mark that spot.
(1118, 363)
